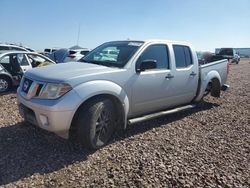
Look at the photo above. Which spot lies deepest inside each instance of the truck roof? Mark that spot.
(160, 40)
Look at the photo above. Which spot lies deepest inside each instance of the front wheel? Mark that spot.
(96, 123)
(5, 84)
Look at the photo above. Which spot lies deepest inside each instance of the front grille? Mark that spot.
(26, 85)
(31, 88)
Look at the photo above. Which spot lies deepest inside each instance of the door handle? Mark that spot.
(169, 76)
(193, 74)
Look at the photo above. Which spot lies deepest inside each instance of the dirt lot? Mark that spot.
(204, 147)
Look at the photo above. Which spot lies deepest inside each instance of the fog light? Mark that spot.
(44, 120)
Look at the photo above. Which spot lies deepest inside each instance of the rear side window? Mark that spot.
(183, 56)
(157, 52)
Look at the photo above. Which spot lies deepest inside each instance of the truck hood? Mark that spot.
(72, 72)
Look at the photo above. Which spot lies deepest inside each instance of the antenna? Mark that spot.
(78, 35)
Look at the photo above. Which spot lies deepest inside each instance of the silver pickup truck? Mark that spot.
(135, 81)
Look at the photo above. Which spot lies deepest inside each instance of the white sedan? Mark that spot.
(14, 63)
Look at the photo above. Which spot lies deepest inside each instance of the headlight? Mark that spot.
(54, 91)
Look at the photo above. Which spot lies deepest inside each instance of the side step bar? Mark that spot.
(159, 114)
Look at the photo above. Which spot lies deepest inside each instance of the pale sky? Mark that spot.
(207, 24)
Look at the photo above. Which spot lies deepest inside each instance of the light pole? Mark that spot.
(78, 35)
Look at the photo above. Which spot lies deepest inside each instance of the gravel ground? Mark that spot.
(204, 147)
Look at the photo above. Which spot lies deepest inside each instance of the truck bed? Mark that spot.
(216, 69)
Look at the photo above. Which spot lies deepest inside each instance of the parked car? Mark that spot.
(5, 47)
(15, 63)
(65, 55)
(60, 55)
(75, 55)
(48, 51)
(230, 54)
(93, 98)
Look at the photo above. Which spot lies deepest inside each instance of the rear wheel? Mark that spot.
(96, 123)
(5, 84)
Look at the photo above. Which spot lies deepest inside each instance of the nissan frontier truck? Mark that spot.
(104, 92)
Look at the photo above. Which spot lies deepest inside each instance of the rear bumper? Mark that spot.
(225, 87)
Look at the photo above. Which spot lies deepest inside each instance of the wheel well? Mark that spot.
(120, 114)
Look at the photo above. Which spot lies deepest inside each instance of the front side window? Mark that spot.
(183, 56)
(38, 61)
(115, 54)
(159, 53)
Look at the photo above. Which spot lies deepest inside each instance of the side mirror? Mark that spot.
(145, 65)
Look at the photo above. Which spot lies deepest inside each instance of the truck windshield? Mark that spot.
(113, 54)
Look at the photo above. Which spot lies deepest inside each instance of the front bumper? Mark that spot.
(52, 115)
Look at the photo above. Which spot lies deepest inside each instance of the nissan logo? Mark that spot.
(26, 85)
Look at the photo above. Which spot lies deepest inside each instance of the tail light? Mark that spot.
(228, 67)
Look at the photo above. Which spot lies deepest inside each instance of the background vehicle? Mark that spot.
(15, 63)
(64, 55)
(144, 79)
(48, 51)
(59, 56)
(230, 54)
(75, 55)
(6, 80)
(6, 47)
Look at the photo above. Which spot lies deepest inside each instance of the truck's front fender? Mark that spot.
(90, 89)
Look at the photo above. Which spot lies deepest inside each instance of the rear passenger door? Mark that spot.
(186, 74)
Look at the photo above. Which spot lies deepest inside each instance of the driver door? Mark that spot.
(150, 87)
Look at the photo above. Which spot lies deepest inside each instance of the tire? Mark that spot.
(96, 123)
(5, 84)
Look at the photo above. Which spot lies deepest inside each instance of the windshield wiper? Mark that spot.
(83, 60)
(93, 62)
(103, 63)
